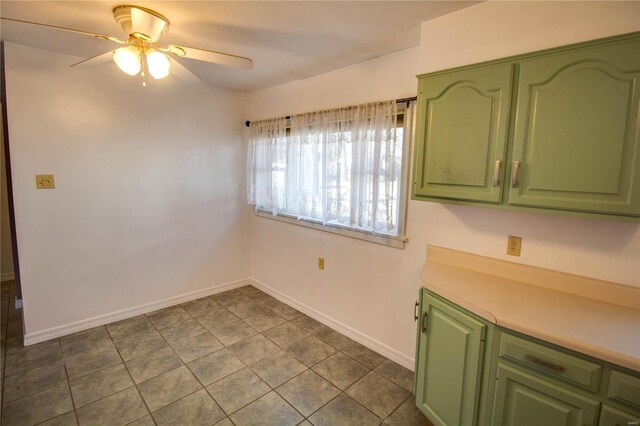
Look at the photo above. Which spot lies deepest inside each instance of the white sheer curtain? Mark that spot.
(338, 167)
(266, 164)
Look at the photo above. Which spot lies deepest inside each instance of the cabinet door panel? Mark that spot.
(624, 388)
(610, 416)
(449, 366)
(523, 399)
(576, 130)
(462, 132)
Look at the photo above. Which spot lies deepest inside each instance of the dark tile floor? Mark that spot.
(236, 358)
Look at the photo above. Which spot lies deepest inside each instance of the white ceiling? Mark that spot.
(287, 40)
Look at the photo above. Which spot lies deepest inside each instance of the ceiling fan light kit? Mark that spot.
(128, 59)
(157, 64)
(144, 27)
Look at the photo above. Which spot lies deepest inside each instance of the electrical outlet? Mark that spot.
(514, 245)
(321, 263)
(45, 182)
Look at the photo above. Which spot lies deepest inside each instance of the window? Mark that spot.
(342, 169)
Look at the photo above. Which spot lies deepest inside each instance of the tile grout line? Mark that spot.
(185, 364)
(249, 366)
(172, 350)
(310, 368)
(373, 371)
(228, 415)
(341, 391)
(31, 369)
(133, 381)
(275, 390)
(130, 376)
(66, 373)
(398, 407)
(195, 359)
(225, 306)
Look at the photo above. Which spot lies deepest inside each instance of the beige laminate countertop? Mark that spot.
(594, 317)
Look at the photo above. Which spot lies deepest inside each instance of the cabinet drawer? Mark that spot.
(551, 362)
(624, 388)
(610, 416)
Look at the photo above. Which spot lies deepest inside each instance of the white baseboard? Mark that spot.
(7, 276)
(364, 339)
(63, 330)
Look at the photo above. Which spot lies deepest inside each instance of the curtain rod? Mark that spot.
(398, 101)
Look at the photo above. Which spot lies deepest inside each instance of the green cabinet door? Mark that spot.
(449, 366)
(462, 130)
(576, 134)
(522, 399)
(610, 416)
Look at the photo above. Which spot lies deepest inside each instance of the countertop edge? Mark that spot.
(488, 295)
(598, 352)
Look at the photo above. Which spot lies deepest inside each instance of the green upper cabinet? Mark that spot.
(463, 133)
(449, 365)
(576, 130)
(557, 130)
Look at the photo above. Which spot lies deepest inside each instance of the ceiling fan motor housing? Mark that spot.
(140, 22)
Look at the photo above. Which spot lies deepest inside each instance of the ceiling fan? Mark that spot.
(142, 53)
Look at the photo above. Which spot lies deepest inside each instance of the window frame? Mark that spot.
(399, 241)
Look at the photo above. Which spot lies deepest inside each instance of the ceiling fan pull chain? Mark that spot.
(143, 59)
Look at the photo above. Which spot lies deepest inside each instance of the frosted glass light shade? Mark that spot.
(158, 64)
(128, 59)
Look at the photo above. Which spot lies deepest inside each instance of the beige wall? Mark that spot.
(6, 258)
(371, 288)
(496, 29)
(148, 202)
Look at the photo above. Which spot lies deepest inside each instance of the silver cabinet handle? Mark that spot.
(496, 173)
(424, 322)
(514, 174)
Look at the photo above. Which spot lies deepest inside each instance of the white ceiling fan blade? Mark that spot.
(211, 56)
(95, 60)
(182, 73)
(71, 30)
(146, 25)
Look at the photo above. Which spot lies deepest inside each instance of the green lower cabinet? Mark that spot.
(449, 367)
(473, 372)
(624, 388)
(524, 399)
(610, 416)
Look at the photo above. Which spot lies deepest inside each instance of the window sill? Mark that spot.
(385, 240)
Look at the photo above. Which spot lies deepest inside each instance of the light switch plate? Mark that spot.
(45, 182)
(321, 263)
